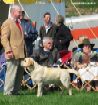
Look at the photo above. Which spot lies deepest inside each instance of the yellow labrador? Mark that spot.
(42, 74)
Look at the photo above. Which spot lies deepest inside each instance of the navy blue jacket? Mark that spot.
(30, 35)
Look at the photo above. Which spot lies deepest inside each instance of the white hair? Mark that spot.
(45, 39)
(15, 6)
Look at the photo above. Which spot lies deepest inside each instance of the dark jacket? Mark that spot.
(29, 31)
(30, 35)
(62, 37)
(46, 58)
(51, 32)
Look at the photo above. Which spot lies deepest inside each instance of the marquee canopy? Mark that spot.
(16, 1)
(30, 1)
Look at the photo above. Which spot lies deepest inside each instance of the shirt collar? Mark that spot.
(15, 20)
(48, 26)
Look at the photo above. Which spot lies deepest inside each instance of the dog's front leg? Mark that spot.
(40, 89)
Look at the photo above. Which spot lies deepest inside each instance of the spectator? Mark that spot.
(48, 29)
(75, 50)
(83, 58)
(12, 39)
(46, 55)
(86, 54)
(30, 33)
(63, 35)
(2, 64)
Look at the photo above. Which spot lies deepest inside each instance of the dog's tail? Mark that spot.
(73, 71)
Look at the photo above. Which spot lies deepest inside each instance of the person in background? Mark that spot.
(12, 39)
(30, 33)
(83, 58)
(48, 29)
(75, 50)
(62, 40)
(2, 64)
(46, 55)
(63, 35)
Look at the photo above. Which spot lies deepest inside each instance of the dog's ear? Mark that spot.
(31, 61)
(28, 61)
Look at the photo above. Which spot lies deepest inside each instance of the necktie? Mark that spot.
(18, 25)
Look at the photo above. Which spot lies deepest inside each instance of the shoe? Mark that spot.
(8, 94)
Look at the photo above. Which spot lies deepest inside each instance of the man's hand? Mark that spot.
(9, 55)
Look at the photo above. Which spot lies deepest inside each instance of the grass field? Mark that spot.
(51, 98)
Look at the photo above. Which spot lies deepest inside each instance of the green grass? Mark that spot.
(51, 98)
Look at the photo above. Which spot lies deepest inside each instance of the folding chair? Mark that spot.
(89, 75)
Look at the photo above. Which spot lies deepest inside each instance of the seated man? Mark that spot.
(46, 55)
(82, 59)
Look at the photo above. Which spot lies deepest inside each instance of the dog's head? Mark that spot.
(28, 62)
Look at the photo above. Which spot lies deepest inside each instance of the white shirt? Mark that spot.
(47, 27)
